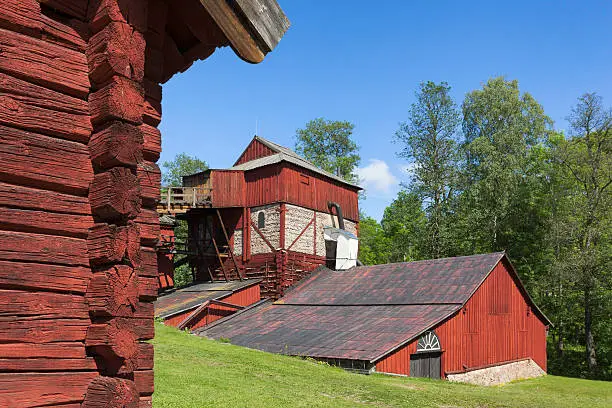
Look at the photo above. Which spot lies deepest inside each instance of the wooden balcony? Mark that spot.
(176, 200)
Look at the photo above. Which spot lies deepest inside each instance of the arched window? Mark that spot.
(261, 220)
(428, 342)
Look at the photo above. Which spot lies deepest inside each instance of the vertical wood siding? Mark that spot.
(254, 150)
(496, 325)
(262, 186)
(228, 188)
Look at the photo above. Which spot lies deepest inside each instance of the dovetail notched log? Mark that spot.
(27, 247)
(116, 50)
(152, 142)
(149, 177)
(44, 162)
(46, 64)
(116, 341)
(148, 221)
(34, 276)
(122, 99)
(144, 382)
(107, 392)
(147, 288)
(37, 389)
(113, 291)
(152, 111)
(104, 12)
(119, 144)
(112, 244)
(148, 267)
(115, 194)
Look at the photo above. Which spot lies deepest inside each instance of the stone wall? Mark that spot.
(237, 242)
(500, 374)
(296, 219)
(325, 220)
(271, 229)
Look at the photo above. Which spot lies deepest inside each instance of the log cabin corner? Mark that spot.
(80, 102)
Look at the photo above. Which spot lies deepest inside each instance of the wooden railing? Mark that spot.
(191, 197)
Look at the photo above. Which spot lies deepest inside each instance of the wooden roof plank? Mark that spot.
(267, 19)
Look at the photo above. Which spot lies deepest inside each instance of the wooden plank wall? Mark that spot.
(495, 326)
(229, 188)
(254, 150)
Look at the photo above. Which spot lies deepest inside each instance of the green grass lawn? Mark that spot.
(197, 372)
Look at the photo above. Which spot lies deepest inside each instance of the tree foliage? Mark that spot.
(182, 165)
(328, 144)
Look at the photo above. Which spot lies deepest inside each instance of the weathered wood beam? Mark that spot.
(45, 222)
(268, 21)
(27, 247)
(35, 276)
(107, 392)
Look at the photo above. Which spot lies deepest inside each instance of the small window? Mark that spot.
(261, 220)
(428, 342)
(304, 179)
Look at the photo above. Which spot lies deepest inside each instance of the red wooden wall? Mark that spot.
(254, 150)
(229, 189)
(496, 325)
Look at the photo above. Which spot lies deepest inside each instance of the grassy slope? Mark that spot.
(196, 372)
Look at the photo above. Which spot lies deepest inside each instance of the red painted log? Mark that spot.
(115, 194)
(116, 50)
(121, 99)
(44, 162)
(149, 177)
(45, 305)
(35, 199)
(66, 32)
(74, 350)
(112, 244)
(103, 12)
(145, 356)
(39, 330)
(33, 276)
(145, 402)
(147, 288)
(34, 390)
(152, 111)
(20, 246)
(152, 142)
(120, 144)
(156, 22)
(144, 382)
(148, 220)
(107, 392)
(20, 15)
(46, 64)
(25, 364)
(74, 8)
(113, 291)
(44, 222)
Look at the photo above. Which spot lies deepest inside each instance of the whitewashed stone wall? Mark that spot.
(238, 242)
(271, 230)
(296, 219)
(500, 374)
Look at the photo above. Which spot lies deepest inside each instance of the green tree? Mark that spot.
(428, 142)
(586, 157)
(182, 165)
(374, 246)
(504, 130)
(404, 224)
(328, 145)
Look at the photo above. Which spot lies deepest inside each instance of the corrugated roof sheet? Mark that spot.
(285, 154)
(362, 313)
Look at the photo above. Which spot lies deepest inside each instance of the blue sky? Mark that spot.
(361, 61)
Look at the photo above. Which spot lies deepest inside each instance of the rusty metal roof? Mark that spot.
(192, 296)
(362, 313)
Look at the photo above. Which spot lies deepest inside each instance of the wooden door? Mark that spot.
(425, 365)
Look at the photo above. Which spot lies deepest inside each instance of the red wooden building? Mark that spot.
(264, 218)
(80, 102)
(438, 318)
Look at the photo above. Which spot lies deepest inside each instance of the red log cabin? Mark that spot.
(264, 218)
(445, 318)
(80, 102)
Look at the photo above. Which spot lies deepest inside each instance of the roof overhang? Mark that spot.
(196, 28)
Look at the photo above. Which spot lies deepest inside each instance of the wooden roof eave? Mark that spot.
(252, 27)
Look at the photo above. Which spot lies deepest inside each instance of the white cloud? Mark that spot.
(377, 176)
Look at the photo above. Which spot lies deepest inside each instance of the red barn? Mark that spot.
(264, 218)
(450, 318)
(80, 102)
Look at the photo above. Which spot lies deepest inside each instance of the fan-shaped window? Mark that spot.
(261, 220)
(428, 342)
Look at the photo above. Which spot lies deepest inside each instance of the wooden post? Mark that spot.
(283, 212)
(229, 248)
